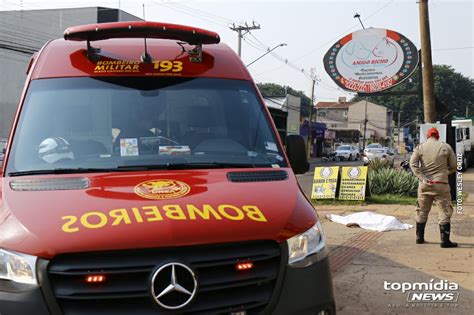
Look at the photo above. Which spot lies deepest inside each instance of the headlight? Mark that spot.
(17, 267)
(307, 248)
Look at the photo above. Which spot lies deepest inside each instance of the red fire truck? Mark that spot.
(144, 175)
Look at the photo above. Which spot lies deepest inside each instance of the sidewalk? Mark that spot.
(363, 260)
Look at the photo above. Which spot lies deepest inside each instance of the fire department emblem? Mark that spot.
(162, 189)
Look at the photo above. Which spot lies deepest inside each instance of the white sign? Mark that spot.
(371, 60)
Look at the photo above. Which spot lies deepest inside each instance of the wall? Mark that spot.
(293, 105)
(27, 31)
(335, 118)
(379, 118)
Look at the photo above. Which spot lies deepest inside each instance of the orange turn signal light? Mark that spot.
(95, 279)
(244, 266)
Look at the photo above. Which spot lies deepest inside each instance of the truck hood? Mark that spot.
(49, 215)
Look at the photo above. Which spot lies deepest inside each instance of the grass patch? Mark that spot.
(377, 199)
(393, 200)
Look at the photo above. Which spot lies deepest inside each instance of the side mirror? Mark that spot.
(296, 151)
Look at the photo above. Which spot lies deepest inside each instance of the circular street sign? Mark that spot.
(371, 60)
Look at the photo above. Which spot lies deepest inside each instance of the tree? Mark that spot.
(454, 93)
(276, 90)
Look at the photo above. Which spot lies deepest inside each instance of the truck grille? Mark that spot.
(222, 289)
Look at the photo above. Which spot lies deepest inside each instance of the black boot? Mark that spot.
(445, 230)
(420, 233)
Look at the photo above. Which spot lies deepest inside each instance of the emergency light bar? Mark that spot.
(141, 29)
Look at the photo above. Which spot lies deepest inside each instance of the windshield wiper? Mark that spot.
(125, 168)
(63, 171)
(195, 165)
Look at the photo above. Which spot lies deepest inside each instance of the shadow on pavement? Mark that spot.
(359, 287)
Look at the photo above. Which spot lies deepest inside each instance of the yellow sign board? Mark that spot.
(325, 182)
(353, 183)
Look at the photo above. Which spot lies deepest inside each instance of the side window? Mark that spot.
(468, 136)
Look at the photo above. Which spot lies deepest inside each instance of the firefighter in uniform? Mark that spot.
(431, 162)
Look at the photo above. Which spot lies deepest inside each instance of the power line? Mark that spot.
(255, 44)
(22, 12)
(251, 44)
(170, 6)
(223, 19)
(343, 33)
(242, 30)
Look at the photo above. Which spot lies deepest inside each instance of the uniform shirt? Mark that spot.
(433, 160)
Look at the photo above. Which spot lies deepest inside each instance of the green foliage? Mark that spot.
(392, 199)
(392, 181)
(454, 92)
(276, 90)
(378, 164)
(374, 199)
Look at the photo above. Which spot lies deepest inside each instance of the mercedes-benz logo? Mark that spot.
(173, 285)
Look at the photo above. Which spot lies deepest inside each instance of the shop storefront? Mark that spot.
(317, 137)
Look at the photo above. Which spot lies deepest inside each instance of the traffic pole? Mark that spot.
(311, 108)
(365, 126)
(398, 131)
(429, 106)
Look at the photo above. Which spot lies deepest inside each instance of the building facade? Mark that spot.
(285, 111)
(379, 126)
(24, 32)
(349, 120)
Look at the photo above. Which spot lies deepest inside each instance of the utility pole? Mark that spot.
(426, 64)
(241, 31)
(398, 131)
(365, 125)
(309, 140)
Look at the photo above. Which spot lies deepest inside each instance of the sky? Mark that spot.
(308, 28)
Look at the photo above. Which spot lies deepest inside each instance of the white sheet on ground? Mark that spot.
(371, 221)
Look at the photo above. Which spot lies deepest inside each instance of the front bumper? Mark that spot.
(30, 302)
(306, 291)
(302, 291)
(39, 300)
(343, 155)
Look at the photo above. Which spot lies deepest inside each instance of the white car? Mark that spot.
(372, 146)
(383, 154)
(347, 152)
(3, 144)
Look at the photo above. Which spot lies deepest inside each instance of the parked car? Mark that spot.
(347, 152)
(3, 145)
(372, 146)
(383, 154)
(390, 150)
